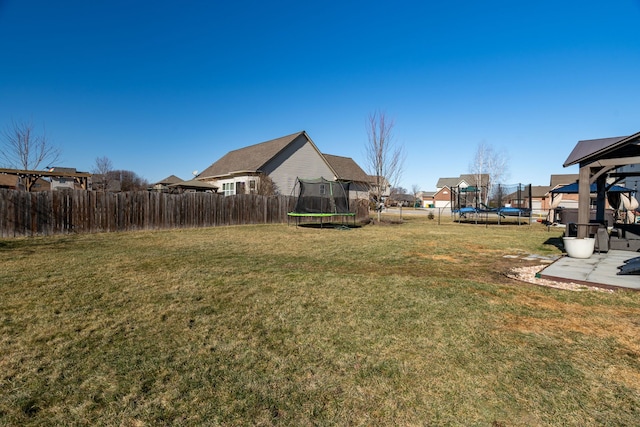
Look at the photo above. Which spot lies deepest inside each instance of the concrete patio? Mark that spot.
(599, 270)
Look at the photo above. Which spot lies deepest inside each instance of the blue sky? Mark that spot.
(165, 88)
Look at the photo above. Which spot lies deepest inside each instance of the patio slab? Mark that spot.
(599, 270)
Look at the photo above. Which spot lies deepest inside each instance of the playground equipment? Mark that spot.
(478, 204)
(320, 198)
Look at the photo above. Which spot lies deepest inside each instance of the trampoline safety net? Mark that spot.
(321, 196)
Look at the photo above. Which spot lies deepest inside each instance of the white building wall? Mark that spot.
(62, 183)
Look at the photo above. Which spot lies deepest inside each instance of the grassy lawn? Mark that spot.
(411, 324)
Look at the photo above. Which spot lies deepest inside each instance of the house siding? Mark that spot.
(359, 190)
(298, 159)
(442, 199)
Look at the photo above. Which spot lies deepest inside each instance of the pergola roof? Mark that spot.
(593, 149)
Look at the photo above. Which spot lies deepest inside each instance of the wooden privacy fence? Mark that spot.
(61, 212)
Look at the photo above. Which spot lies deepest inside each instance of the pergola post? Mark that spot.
(601, 198)
(584, 201)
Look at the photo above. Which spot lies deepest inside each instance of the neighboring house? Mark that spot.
(163, 185)
(460, 185)
(435, 199)
(14, 182)
(440, 198)
(283, 160)
(427, 198)
(385, 191)
(563, 179)
(347, 169)
(569, 201)
(65, 180)
(193, 186)
(540, 199)
(463, 181)
(405, 200)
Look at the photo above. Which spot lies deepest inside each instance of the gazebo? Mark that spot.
(600, 159)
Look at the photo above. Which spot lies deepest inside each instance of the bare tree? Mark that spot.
(489, 167)
(129, 180)
(23, 148)
(266, 186)
(101, 171)
(385, 159)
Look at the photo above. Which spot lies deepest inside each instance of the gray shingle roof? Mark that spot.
(470, 179)
(250, 158)
(172, 179)
(194, 184)
(346, 168)
(540, 190)
(447, 182)
(563, 179)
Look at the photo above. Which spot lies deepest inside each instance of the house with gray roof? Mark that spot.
(441, 198)
(558, 180)
(463, 181)
(163, 185)
(283, 160)
(348, 170)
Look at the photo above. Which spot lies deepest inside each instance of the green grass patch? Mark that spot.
(403, 324)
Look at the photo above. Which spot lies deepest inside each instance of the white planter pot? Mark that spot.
(579, 248)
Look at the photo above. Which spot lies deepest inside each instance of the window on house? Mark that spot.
(228, 188)
(323, 189)
(240, 188)
(252, 186)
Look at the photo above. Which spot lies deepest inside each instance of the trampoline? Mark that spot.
(321, 199)
(513, 201)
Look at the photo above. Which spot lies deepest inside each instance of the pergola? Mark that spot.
(194, 185)
(31, 176)
(600, 159)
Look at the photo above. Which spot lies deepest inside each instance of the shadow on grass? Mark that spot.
(329, 226)
(8, 245)
(555, 241)
(484, 221)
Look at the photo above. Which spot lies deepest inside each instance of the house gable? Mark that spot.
(447, 182)
(283, 159)
(248, 159)
(299, 159)
(443, 194)
(463, 181)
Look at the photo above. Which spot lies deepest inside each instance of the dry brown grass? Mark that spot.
(411, 324)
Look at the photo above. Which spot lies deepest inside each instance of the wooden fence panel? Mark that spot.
(62, 212)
